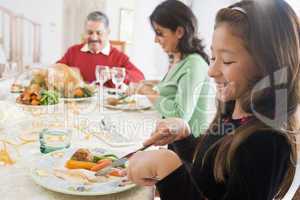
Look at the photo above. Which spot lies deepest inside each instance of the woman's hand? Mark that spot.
(150, 82)
(140, 88)
(146, 168)
(168, 131)
(132, 88)
(146, 89)
(143, 89)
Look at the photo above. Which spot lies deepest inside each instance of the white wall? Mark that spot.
(205, 13)
(296, 5)
(48, 13)
(147, 55)
(112, 10)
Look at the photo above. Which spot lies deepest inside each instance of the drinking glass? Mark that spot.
(54, 139)
(102, 74)
(118, 76)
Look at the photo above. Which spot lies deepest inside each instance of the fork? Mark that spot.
(119, 162)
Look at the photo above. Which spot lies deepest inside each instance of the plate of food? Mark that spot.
(34, 88)
(38, 100)
(72, 171)
(81, 93)
(128, 103)
(34, 95)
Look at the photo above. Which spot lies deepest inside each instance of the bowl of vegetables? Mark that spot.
(39, 100)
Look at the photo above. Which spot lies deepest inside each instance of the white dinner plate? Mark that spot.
(43, 174)
(141, 103)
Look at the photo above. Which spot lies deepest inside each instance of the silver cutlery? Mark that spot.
(119, 162)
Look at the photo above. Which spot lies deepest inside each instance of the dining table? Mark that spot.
(19, 152)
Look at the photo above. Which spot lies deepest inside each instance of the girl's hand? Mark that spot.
(146, 168)
(168, 131)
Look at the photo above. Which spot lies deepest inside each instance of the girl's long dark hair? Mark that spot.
(172, 14)
(270, 32)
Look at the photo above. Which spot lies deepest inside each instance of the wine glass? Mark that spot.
(102, 75)
(118, 76)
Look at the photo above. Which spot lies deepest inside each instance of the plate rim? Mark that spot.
(127, 109)
(37, 106)
(37, 180)
(143, 107)
(73, 99)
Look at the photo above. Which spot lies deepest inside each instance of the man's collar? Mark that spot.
(105, 50)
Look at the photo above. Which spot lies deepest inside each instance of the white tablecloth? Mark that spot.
(15, 181)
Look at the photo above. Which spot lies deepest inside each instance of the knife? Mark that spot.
(119, 162)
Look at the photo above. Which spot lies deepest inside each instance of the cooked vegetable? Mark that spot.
(82, 155)
(74, 164)
(78, 93)
(117, 173)
(101, 164)
(49, 97)
(87, 91)
(34, 95)
(81, 92)
(110, 156)
(35, 102)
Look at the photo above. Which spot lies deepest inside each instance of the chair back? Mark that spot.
(120, 45)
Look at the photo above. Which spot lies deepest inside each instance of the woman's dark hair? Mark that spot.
(270, 33)
(172, 14)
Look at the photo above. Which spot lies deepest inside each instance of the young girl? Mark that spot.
(182, 91)
(249, 151)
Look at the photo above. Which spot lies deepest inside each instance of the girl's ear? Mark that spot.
(179, 32)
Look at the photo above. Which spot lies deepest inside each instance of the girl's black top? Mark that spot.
(256, 172)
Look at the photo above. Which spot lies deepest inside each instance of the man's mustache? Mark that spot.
(94, 41)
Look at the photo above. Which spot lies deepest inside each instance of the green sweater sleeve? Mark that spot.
(180, 94)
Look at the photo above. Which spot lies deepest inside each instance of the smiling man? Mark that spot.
(96, 50)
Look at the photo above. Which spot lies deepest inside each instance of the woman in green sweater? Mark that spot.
(182, 92)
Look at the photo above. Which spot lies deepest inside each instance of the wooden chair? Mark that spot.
(120, 45)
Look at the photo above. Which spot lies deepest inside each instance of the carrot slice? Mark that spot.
(101, 164)
(74, 164)
(117, 173)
